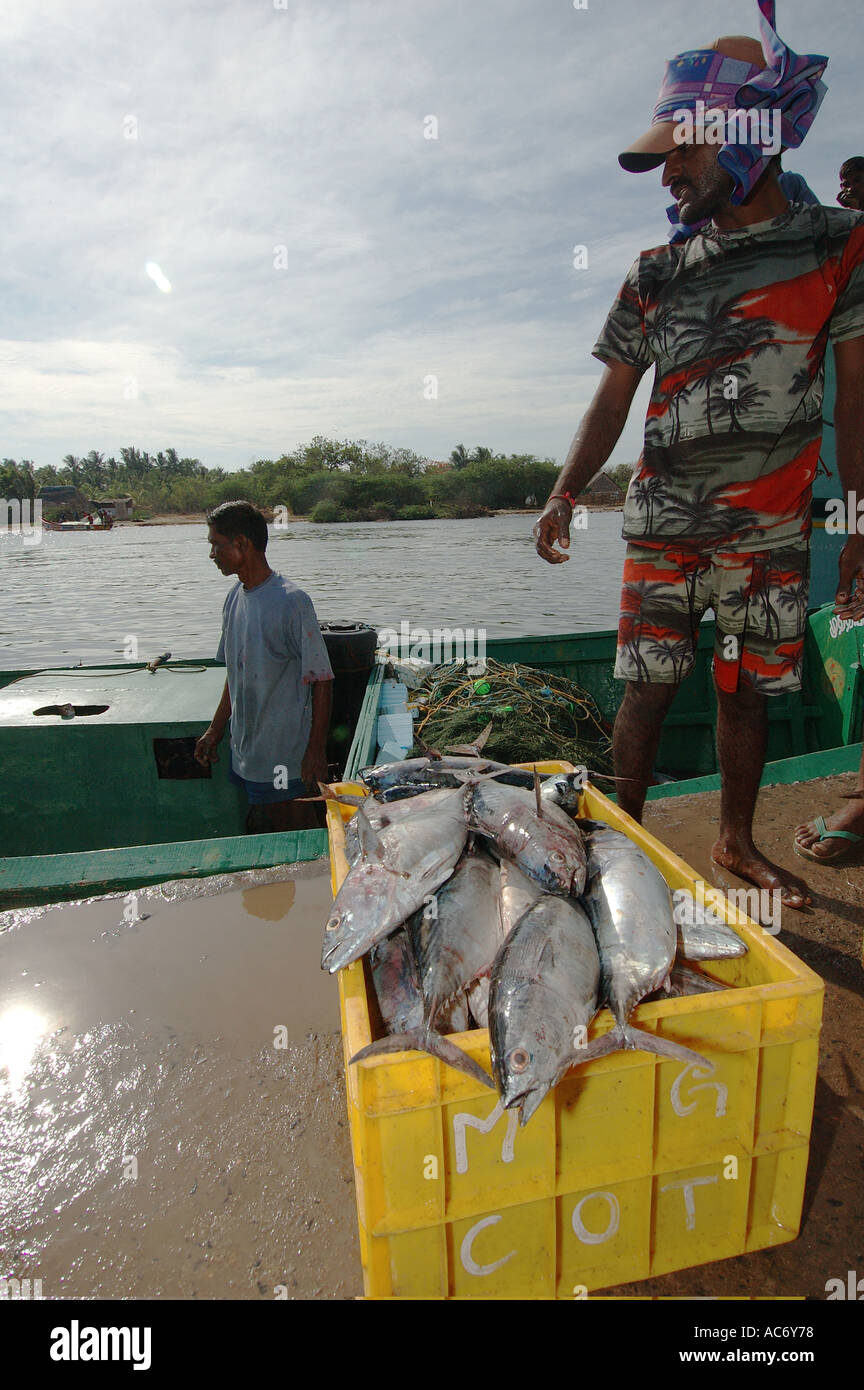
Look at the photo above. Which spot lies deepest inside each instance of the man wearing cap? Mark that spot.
(735, 320)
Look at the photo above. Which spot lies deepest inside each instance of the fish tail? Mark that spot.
(612, 1041)
(425, 1040)
(478, 744)
(640, 1041)
(623, 1037)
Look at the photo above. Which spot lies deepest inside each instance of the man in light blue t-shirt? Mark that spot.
(278, 691)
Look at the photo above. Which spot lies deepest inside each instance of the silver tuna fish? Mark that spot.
(396, 978)
(630, 907)
(548, 847)
(373, 816)
(516, 894)
(458, 933)
(545, 985)
(412, 859)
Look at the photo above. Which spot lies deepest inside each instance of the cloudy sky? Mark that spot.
(325, 257)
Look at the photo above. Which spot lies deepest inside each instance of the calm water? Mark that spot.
(77, 597)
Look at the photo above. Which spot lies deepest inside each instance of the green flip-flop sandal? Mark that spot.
(806, 853)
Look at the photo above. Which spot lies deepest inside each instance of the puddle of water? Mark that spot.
(172, 1109)
(233, 963)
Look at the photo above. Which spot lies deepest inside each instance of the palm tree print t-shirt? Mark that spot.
(736, 324)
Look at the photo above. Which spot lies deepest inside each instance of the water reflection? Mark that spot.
(21, 1029)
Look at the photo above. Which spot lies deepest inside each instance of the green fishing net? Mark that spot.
(535, 716)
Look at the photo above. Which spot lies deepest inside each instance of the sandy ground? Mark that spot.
(829, 940)
(157, 1144)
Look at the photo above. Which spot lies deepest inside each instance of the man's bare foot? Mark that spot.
(850, 818)
(753, 867)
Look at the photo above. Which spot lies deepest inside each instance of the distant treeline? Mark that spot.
(326, 480)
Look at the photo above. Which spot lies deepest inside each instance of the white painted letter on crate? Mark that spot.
(468, 1262)
(463, 1120)
(596, 1237)
(682, 1109)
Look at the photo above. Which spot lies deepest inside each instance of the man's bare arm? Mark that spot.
(205, 748)
(595, 439)
(314, 769)
(848, 416)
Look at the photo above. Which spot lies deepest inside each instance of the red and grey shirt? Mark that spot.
(736, 324)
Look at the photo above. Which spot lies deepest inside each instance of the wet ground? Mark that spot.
(172, 1115)
(172, 1109)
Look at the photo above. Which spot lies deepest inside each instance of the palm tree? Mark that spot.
(747, 397)
(702, 512)
(460, 456)
(644, 490)
(665, 650)
(718, 338)
(794, 595)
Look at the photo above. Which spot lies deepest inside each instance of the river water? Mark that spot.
(90, 598)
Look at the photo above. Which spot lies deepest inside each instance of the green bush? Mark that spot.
(415, 513)
(327, 511)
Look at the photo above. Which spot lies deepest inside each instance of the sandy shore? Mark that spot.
(195, 518)
(152, 1039)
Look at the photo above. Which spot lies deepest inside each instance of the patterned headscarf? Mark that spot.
(789, 84)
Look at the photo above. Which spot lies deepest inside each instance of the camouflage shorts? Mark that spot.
(759, 602)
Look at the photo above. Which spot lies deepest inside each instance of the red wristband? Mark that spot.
(565, 497)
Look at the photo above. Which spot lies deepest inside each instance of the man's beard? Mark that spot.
(706, 195)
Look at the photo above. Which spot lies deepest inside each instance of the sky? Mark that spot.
(359, 216)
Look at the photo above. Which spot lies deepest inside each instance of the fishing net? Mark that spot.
(535, 716)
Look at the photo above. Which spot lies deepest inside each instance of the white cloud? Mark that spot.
(256, 129)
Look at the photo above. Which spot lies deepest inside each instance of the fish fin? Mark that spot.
(328, 794)
(537, 797)
(547, 954)
(425, 749)
(370, 845)
(682, 980)
(624, 1037)
(425, 1040)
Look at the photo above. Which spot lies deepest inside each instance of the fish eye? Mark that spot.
(556, 857)
(333, 922)
(519, 1059)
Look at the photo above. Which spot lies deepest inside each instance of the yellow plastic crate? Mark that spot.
(633, 1166)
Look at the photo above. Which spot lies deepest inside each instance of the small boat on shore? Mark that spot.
(103, 525)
